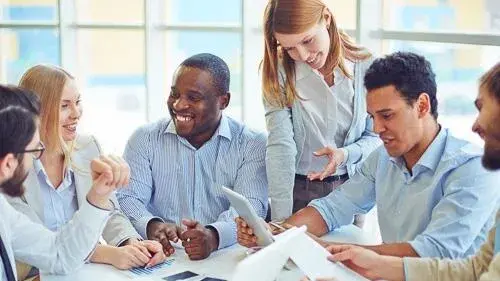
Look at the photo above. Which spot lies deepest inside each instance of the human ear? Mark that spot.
(224, 100)
(8, 165)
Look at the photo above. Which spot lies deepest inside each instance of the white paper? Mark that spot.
(311, 258)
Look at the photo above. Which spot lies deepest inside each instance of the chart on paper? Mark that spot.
(140, 271)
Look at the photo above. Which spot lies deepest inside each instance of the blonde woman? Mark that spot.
(315, 104)
(60, 179)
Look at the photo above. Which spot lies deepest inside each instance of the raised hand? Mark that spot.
(108, 174)
(335, 158)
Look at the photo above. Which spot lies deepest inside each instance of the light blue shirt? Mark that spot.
(172, 180)
(61, 203)
(444, 208)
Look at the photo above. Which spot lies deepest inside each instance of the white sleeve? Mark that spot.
(55, 252)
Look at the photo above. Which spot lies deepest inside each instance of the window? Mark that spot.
(109, 11)
(22, 48)
(111, 78)
(188, 12)
(44, 11)
(443, 15)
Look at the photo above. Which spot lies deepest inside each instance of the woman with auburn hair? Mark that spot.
(314, 97)
(60, 179)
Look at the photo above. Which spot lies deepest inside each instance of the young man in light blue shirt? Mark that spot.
(178, 165)
(433, 196)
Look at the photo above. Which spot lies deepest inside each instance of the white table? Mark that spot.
(220, 264)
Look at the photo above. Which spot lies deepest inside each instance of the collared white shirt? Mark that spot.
(327, 121)
(58, 253)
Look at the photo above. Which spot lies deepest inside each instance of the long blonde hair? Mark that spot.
(293, 17)
(48, 82)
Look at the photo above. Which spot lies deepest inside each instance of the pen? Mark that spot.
(277, 226)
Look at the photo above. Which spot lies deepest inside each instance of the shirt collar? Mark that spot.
(223, 130)
(432, 155)
(40, 170)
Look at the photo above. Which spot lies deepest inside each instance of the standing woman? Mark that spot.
(312, 76)
(60, 179)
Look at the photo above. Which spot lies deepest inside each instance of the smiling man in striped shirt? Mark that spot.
(179, 164)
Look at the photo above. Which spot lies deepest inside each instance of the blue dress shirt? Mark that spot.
(443, 208)
(172, 180)
(59, 204)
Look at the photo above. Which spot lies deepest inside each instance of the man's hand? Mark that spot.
(335, 158)
(367, 263)
(198, 241)
(245, 234)
(108, 173)
(163, 233)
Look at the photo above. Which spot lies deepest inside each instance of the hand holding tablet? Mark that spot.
(247, 212)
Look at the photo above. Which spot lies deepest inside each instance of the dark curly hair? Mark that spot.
(216, 66)
(409, 73)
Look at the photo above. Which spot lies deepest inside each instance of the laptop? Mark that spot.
(266, 264)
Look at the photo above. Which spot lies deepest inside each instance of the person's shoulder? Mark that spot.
(5, 207)
(152, 129)
(460, 150)
(158, 126)
(87, 144)
(462, 158)
(245, 134)
(364, 64)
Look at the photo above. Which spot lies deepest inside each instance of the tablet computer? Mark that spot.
(247, 212)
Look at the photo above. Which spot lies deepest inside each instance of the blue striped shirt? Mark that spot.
(172, 180)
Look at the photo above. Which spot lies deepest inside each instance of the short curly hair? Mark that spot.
(409, 73)
(217, 68)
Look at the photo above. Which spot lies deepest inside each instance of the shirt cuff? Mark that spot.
(121, 242)
(142, 225)
(325, 214)
(113, 206)
(405, 269)
(93, 213)
(423, 249)
(346, 156)
(418, 269)
(281, 209)
(226, 231)
(353, 153)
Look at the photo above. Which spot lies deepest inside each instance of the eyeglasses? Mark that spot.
(36, 152)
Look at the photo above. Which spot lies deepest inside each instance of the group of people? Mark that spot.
(346, 132)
